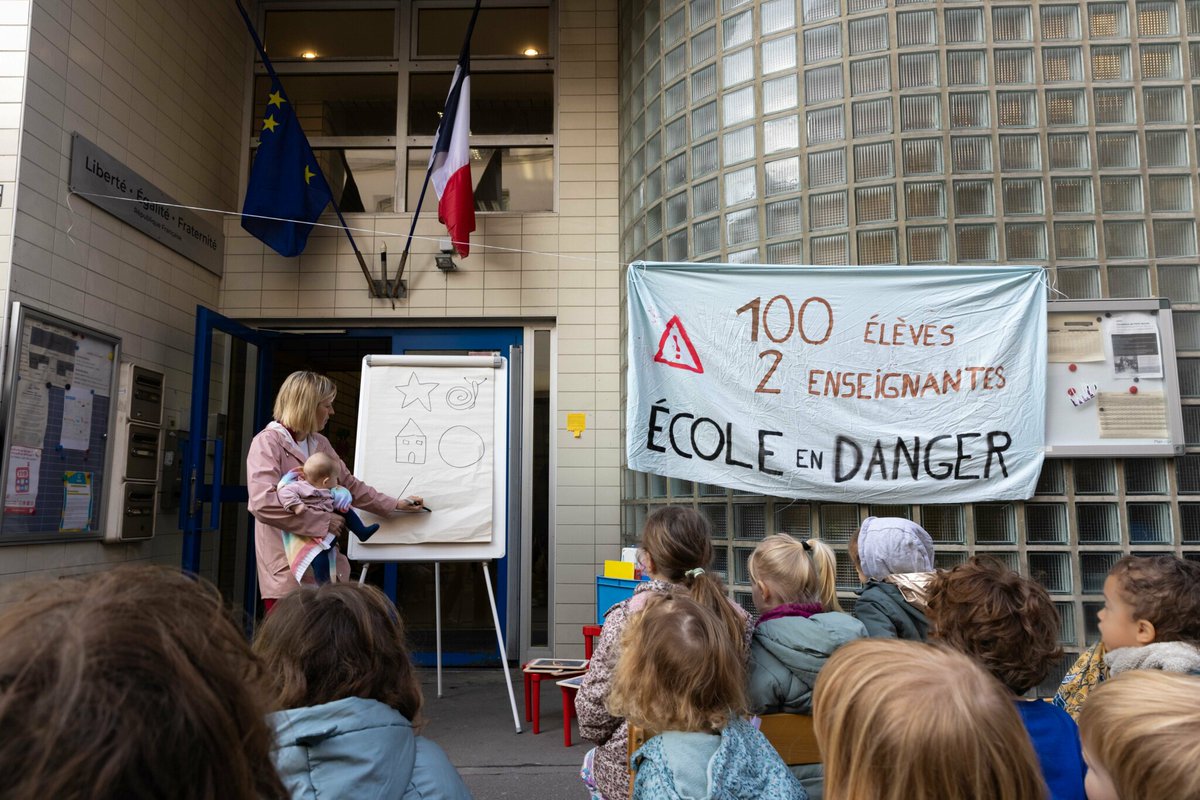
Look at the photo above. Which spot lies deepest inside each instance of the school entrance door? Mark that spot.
(236, 374)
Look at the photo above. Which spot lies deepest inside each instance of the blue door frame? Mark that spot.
(196, 491)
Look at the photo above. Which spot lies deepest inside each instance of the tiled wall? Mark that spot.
(160, 85)
(559, 266)
(14, 44)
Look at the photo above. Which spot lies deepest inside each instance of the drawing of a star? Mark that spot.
(417, 392)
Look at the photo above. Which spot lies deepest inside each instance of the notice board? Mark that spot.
(60, 388)
(1112, 389)
(435, 426)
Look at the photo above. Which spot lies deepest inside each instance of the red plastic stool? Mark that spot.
(590, 632)
(533, 688)
(568, 699)
(533, 694)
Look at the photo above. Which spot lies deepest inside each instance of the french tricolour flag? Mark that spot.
(450, 162)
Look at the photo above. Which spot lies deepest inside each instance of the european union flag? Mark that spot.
(285, 180)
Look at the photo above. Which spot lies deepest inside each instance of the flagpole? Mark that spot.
(464, 53)
(411, 230)
(262, 52)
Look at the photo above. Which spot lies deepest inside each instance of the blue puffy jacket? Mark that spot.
(360, 748)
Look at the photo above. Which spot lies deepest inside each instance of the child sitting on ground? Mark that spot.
(681, 677)
(1009, 625)
(1141, 737)
(1150, 620)
(801, 624)
(315, 486)
(894, 558)
(901, 720)
(676, 552)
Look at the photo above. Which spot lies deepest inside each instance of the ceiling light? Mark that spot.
(530, 51)
(309, 54)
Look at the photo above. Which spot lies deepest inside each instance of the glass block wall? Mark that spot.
(900, 132)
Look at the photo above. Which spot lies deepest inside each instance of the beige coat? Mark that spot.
(272, 453)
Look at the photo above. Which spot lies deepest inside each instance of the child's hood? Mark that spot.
(743, 766)
(891, 545)
(689, 756)
(1165, 656)
(353, 746)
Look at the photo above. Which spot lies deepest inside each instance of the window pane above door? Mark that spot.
(501, 102)
(499, 32)
(328, 34)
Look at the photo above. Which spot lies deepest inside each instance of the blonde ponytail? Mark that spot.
(797, 572)
(825, 562)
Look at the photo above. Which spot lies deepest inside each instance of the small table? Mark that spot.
(570, 687)
(533, 691)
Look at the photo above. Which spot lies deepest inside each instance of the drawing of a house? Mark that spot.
(410, 444)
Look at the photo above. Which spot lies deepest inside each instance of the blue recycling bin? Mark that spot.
(610, 591)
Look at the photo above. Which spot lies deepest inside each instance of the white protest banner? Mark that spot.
(849, 384)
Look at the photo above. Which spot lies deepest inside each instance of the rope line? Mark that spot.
(371, 231)
(1051, 285)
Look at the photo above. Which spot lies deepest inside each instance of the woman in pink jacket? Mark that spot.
(302, 407)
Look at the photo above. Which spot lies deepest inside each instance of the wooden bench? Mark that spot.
(792, 736)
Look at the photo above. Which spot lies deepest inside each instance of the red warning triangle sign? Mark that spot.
(675, 349)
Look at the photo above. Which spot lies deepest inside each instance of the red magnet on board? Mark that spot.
(1072, 368)
(1133, 390)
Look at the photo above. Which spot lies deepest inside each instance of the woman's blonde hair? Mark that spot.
(679, 542)
(679, 670)
(297, 401)
(796, 572)
(1143, 729)
(899, 720)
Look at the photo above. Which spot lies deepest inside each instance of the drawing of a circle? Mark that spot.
(460, 446)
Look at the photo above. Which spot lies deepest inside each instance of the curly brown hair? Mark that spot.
(1165, 591)
(679, 669)
(326, 643)
(130, 683)
(1006, 622)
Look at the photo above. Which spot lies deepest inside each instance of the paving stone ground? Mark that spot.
(473, 724)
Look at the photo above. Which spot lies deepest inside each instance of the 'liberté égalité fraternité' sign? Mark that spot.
(850, 384)
(103, 181)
